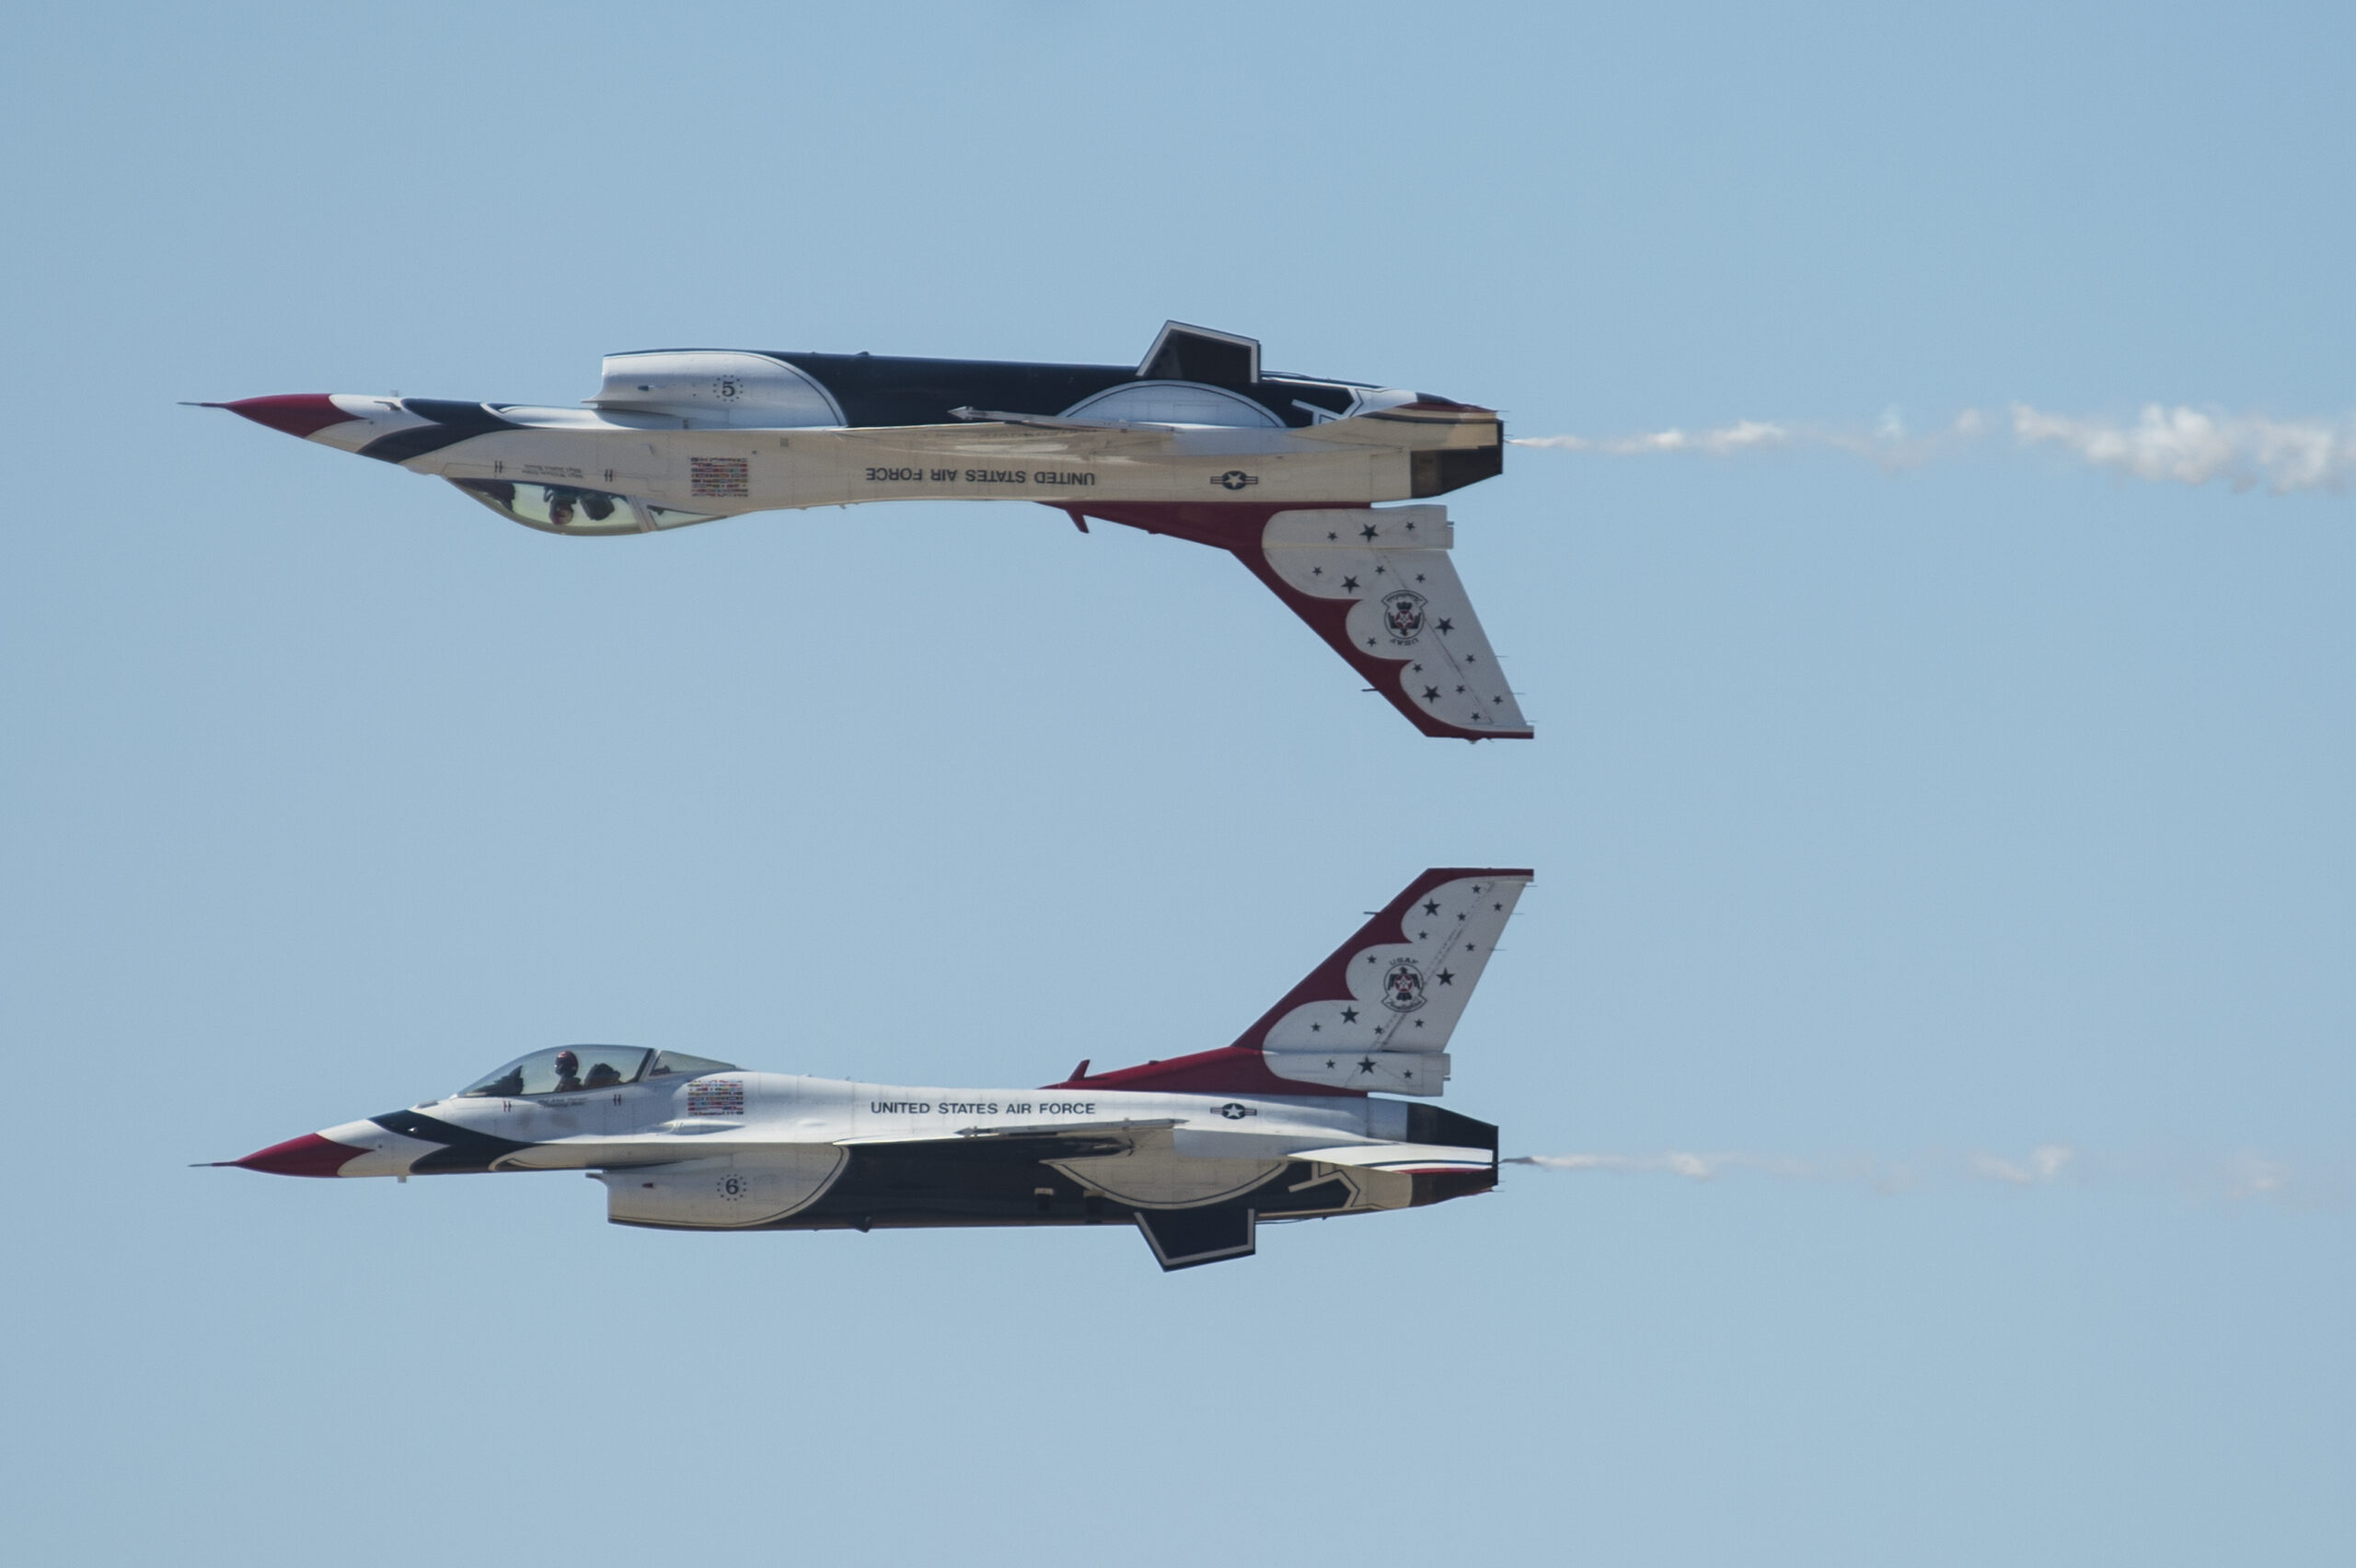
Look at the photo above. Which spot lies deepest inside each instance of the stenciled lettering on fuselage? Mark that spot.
(1056, 477)
(982, 1107)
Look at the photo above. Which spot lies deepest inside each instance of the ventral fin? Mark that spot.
(1198, 353)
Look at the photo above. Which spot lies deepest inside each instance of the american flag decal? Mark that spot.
(727, 478)
(716, 1097)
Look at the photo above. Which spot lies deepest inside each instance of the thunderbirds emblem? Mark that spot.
(1403, 613)
(1402, 987)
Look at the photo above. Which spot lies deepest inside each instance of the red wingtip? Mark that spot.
(301, 414)
(309, 1155)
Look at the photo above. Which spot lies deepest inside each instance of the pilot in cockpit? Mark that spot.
(568, 1073)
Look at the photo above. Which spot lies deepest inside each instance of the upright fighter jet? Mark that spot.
(1290, 1122)
(1195, 441)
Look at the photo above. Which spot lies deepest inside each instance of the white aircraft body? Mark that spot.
(1197, 442)
(1290, 1122)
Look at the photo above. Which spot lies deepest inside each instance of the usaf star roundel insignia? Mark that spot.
(1403, 986)
(1402, 616)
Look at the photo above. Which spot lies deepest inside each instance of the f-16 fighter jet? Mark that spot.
(1291, 1122)
(1195, 441)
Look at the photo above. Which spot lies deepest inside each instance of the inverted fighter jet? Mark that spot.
(1293, 1121)
(1195, 441)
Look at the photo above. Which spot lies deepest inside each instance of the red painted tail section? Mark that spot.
(1241, 530)
(1243, 1068)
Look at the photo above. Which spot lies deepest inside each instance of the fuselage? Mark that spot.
(749, 1150)
(681, 436)
(671, 1119)
(1294, 1120)
(1195, 442)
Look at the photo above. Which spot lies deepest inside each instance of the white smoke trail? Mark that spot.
(2191, 446)
(1745, 435)
(2041, 1165)
(2235, 1178)
(2044, 1163)
(2178, 445)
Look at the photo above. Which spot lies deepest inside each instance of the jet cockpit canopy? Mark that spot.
(575, 1069)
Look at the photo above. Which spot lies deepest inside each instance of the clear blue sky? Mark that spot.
(1876, 817)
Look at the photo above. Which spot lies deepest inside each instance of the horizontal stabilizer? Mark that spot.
(1411, 1159)
(1423, 424)
(1365, 1072)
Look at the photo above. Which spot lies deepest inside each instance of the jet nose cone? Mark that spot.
(298, 413)
(309, 1155)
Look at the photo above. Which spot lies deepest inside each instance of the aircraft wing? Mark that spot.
(1000, 436)
(1057, 1136)
(1054, 421)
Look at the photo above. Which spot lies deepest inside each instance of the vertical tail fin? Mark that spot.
(1376, 1016)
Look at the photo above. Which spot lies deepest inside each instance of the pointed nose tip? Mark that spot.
(309, 1155)
(298, 413)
